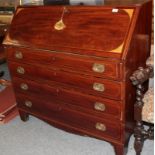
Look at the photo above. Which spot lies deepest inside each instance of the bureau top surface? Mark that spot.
(86, 30)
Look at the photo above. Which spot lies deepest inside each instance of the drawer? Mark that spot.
(73, 63)
(61, 114)
(86, 103)
(86, 84)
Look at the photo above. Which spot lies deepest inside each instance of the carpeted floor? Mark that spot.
(36, 137)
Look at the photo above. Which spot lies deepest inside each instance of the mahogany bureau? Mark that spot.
(70, 65)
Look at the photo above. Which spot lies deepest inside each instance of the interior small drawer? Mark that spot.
(59, 113)
(98, 67)
(86, 84)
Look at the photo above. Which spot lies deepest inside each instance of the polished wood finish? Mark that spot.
(69, 63)
(78, 78)
(61, 113)
(112, 89)
(77, 26)
(63, 96)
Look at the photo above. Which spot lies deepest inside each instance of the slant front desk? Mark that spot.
(70, 65)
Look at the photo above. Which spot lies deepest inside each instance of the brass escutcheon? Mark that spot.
(24, 86)
(98, 87)
(99, 68)
(28, 104)
(20, 70)
(99, 106)
(100, 126)
(18, 55)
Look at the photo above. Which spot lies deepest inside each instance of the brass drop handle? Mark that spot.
(99, 106)
(98, 87)
(20, 70)
(60, 25)
(28, 104)
(24, 86)
(100, 126)
(18, 55)
(99, 68)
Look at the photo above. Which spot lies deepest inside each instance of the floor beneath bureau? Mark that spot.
(37, 137)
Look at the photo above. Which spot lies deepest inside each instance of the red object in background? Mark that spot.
(8, 109)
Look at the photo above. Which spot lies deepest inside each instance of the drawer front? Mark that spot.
(81, 102)
(86, 84)
(61, 114)
(95, 66)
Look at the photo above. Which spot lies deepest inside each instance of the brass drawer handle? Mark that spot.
(99, 68)
(98, 87)
(100, 126)
(18, 55)
(99, 106)
(24, 86)
(20, 70)
(28, 104)
(59, 25)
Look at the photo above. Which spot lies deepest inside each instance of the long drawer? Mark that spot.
(61, 114)
(97, 67)
(86, 103)
(86, 84)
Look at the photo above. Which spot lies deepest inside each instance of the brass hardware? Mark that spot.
(100, 126)
(28, 104)
(18, 55)
(99, 106)
(98, 87)
(59, 25)
(20, 70)
(99, 68)
(24, 86)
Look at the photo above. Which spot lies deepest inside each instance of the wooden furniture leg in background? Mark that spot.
(138, 79)
(24, 116)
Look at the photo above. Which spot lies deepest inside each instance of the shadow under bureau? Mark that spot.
(70, 65)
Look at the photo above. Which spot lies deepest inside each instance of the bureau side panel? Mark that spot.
(136, 56)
